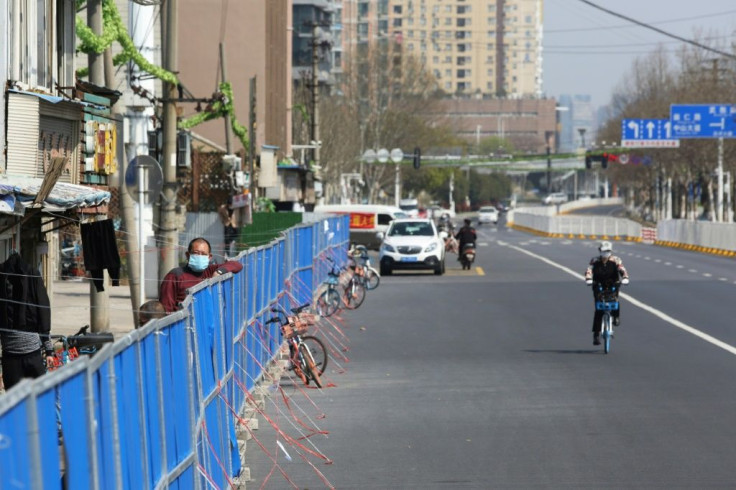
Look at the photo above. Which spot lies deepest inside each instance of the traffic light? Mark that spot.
(417, 157)
(588, 162)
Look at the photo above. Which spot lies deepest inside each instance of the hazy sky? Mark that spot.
(587, 51)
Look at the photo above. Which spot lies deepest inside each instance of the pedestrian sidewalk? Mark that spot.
(70, 308)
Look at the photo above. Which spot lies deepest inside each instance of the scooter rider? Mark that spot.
(606, 269)
(466, 235)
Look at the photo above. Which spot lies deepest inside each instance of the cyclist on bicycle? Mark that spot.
(607, 270)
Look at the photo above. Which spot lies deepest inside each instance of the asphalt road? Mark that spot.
(488, 379)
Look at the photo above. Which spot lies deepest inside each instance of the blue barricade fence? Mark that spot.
(159, 407)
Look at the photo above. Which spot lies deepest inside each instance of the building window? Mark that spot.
(436, 60)
(492, 20)
(448, 85)
(436, 73)
(397, 9)
(448, 73)
(397, 22)
(461, 73)
(448, 59)
(448, 21)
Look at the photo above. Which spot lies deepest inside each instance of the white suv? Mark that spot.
(412, 244)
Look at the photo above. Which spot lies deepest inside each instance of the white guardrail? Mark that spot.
(704, 236)
(545, 219)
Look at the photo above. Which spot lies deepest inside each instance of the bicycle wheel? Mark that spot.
(607, 333)
(318, 351)
(310, 369)
(328, 303)
(372, 279)
(354, 294)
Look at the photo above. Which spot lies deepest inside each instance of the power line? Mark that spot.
(672, 21)
(656, 29)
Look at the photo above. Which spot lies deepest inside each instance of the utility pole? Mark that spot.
(99, 302)
(315, 94)
(251, 149)
(125, 201)
(223, 73)
(167, 232)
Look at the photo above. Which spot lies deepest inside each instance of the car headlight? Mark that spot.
(432, 246)
(388, 248)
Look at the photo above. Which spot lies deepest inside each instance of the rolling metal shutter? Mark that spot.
(22, 135)
(60, 135)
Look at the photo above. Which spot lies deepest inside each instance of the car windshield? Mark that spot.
(487, 210)
(411, 229)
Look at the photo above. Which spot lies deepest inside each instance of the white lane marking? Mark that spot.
(664, 316)
(680, 266)
(668, 263)
(707, 274)
(723, 279)
(692, 270)
(657, 260)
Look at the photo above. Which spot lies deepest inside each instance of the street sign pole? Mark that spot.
(141, 255)
(720, 179)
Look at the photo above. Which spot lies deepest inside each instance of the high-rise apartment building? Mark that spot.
(486, 47)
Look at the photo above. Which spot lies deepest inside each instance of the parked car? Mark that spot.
(555, 198)
(410, 207)
(413, 244)
(436, 212)
(487, 214)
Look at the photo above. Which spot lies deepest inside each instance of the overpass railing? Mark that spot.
(159, 407)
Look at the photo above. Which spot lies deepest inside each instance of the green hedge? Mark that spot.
(267, 226)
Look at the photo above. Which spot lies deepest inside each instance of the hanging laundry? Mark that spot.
(100, 250)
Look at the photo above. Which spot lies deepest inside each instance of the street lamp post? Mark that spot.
(548, 136)
(397, 156)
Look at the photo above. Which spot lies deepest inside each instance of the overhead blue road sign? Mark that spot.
(703, 120)
(647, 133)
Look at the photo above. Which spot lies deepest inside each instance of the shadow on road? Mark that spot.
(564, 351)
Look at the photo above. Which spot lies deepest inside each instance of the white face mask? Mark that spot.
(606, 254)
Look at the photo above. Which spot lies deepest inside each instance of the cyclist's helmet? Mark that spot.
(605, 249)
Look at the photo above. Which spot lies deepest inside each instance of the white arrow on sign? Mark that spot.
(635, 127)
(650, 129)
(668, 129)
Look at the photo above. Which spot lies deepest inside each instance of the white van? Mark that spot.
(365, 220)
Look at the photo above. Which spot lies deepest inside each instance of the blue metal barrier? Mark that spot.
(160, 406)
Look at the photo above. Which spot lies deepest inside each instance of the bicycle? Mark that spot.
(371, 278)
(307, 353)
(354, 293)
(68, 348)
(607, 301)
(330, 301)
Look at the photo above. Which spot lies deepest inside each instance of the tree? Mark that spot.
(653, 83)
(376, 104)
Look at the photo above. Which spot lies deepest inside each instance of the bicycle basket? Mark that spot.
(308, 318)
(287, 331)
(606, 305)
(333, 280)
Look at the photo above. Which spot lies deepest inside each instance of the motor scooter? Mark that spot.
(467, 255)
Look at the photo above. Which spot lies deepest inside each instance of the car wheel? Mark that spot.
(385, 270)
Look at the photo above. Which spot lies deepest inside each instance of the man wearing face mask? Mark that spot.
(199, 267)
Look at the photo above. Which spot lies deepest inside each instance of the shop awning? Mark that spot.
(17, 193)
(55, 99)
